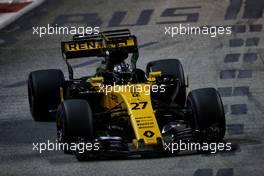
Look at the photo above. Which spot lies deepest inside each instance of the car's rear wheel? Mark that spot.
(74, 122)
(170, 67)
(44, 92)
(208, 114)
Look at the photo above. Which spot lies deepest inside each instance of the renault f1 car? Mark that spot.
(141, 119)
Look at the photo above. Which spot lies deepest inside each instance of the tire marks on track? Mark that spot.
(236, 58)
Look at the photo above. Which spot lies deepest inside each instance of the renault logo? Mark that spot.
(148, 134)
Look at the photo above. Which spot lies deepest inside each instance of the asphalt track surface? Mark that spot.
(231, 63)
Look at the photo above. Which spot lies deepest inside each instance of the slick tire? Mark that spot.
(74, 121)
(172, 67)
(208, 114)
(44, 93)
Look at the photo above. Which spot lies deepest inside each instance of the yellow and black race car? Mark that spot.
(121, 108)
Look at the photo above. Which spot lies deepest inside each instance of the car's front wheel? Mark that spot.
(208, 114)
(74, 122)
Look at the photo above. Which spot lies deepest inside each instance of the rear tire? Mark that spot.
(208, 114)
(44, 92)
(170, 67)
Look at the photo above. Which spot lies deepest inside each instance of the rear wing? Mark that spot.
(98, 44)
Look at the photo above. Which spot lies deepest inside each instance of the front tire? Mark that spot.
(208, 114)
(74, 121)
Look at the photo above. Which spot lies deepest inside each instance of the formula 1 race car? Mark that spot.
(122, 108)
